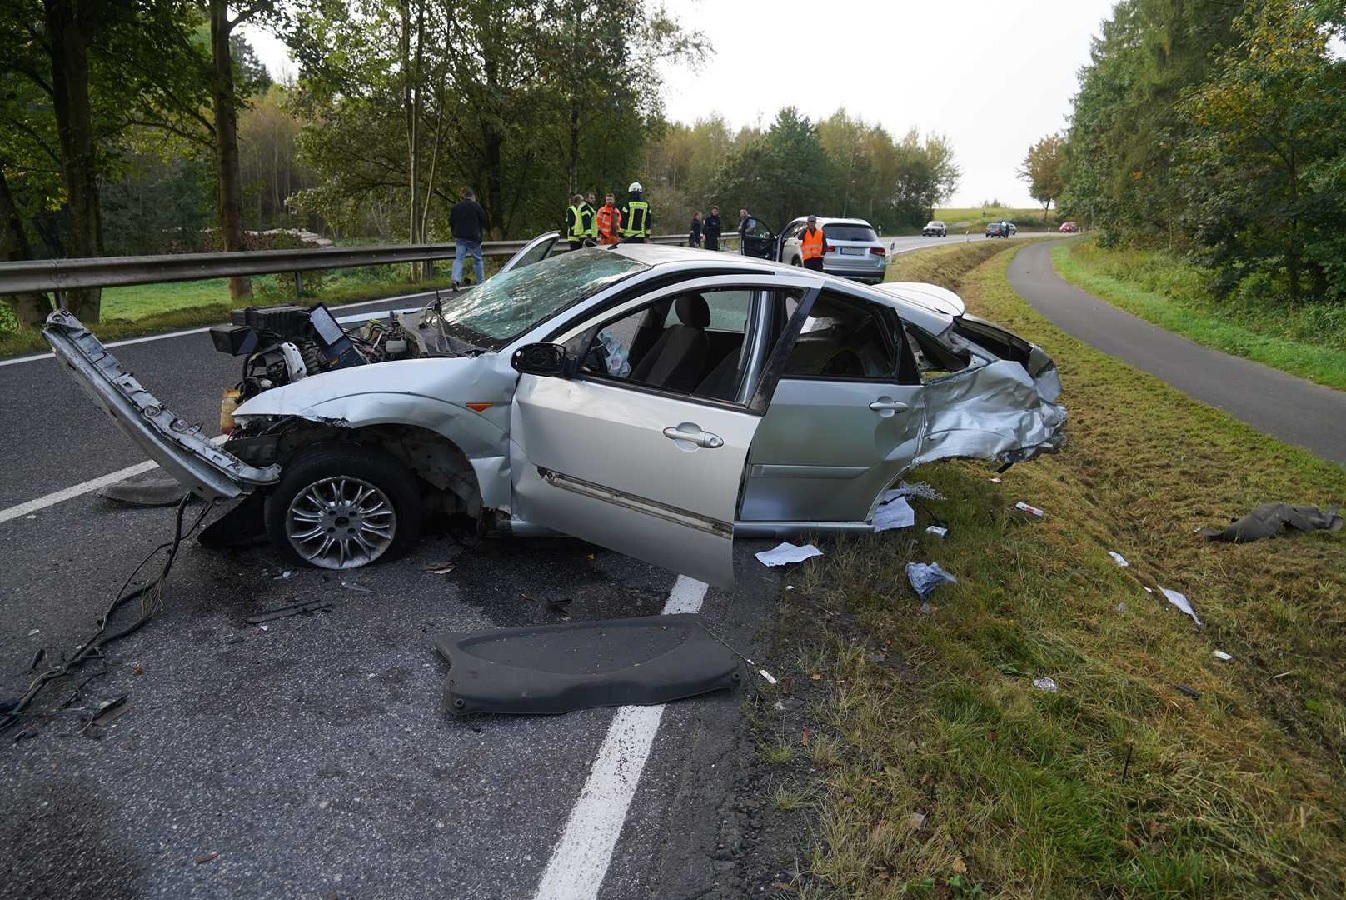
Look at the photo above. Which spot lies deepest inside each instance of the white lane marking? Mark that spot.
(177, 334)
(84, 487)
(580, 861)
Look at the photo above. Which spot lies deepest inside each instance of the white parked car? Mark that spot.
(659, 401)
(853, 248)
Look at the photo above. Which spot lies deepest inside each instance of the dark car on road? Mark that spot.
(1000, 229)
(935, 228)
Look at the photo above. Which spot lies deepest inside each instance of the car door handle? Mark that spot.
(886, 405)
(700, 438)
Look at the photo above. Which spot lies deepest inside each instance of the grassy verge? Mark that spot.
(1308, 340)
(1155, 769)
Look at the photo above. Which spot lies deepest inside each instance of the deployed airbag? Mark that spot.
(551, 669)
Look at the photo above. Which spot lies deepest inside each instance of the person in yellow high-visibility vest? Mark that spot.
(637, 221)
(812, 245)
(580, 225)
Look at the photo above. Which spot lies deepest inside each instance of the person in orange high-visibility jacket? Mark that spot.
(812, 245)
(608, 220)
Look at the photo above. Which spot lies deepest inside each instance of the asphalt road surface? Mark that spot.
(311, 757)
(1283, 406)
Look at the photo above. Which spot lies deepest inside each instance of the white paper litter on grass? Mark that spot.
(1118, 558)
(894, 512)
(1045, 684)
(1029, 509)
(1221, 655)
(937, 530)
(786, 553)
(1181, 603)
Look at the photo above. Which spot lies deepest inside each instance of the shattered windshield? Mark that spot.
(508, 305)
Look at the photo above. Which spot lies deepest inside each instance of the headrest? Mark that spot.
(693, 310)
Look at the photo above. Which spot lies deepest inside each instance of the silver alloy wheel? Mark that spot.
(341, 522)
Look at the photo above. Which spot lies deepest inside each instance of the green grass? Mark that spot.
(1117, 785)
(1308, 340)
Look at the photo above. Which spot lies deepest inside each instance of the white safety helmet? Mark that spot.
(635, 186)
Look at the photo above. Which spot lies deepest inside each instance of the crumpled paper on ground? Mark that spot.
(785, 553)
(1181, 603)
(894, 512)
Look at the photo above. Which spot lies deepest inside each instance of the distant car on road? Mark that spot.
(1000, 229)
(1068, 228)
(935, 228)
(853, 248)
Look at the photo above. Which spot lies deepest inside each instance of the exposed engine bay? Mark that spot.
(283, 344)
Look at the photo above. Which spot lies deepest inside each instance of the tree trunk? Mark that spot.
(226, 141)
(493, 145)
(29, 309)
(68, 31)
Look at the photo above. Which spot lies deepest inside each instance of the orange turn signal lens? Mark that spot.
(478, 407)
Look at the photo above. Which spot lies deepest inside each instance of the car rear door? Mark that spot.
(650, 470)
(844, 420)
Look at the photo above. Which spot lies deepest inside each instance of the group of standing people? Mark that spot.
(705, 230)
(630, 223)
(588, 224)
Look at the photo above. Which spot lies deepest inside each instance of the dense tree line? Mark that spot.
(133, 127)
(1216, 128)
(840, 166)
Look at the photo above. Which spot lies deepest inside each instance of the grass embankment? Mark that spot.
(1307, 339)
(1119, 784)
(153, 308)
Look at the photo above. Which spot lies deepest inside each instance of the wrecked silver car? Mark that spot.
(658, 401)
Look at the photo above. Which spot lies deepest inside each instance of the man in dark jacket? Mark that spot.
(467, 220)
(710, 229)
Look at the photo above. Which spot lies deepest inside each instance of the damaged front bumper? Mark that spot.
(175, 444)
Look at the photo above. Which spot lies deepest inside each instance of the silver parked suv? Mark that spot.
(853, 248)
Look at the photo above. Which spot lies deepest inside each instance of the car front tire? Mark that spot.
(344, 506)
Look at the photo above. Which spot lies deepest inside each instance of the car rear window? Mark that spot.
(841, 231)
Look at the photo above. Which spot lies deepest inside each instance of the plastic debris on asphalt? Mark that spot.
(1045, 684)
(1118, 558)
(894, 512)
(785, 553)
(937, 530)
(1221, 655)
(1029, 509)
(1181, 603)
(925, 577)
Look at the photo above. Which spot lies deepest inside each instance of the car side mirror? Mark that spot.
(547, 360)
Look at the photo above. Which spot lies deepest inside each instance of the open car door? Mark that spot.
(638, 457)
(536, 250)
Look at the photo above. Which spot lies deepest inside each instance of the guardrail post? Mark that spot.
(299, 285)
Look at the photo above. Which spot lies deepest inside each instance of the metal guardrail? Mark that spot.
(114, 271)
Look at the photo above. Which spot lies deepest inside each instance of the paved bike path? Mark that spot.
(1275, 403)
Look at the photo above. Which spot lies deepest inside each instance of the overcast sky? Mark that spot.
(993, 77)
